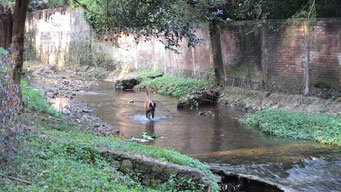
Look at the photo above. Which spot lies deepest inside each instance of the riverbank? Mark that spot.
(63, 156)
(70, 154)
(293, 116)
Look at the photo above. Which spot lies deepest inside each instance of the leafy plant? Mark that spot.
(182, 184)
(299, 125)
(176, 86)
(35, 100)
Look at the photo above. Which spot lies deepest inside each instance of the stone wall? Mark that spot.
(154, 171)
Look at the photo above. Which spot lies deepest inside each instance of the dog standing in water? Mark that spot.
(149, 106)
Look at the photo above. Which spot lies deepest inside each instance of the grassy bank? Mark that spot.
(174, 86)
(320, 127)
(63, 156)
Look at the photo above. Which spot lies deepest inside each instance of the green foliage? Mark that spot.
(176, 86)
(65, 166)
(7, 3)
(3, 51)
(169, 19)
(145, 73)
(174, 184)
(35, 100)
(118, 144)
(307, 13)
(299, 125)
(276, 9)
(70, 160)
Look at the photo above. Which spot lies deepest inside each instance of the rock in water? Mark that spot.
(125, 84)
(196, 99)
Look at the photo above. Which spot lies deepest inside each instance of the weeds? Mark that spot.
(35, 100)
(299, 125)
(182, 184)
(175, 86)
(67, 166)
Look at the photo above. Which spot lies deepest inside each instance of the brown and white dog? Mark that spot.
(149, 106)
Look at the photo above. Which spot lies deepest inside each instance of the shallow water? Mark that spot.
(219, 139)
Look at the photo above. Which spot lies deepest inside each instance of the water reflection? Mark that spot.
(150, 128)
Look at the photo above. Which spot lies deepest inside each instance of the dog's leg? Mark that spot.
(148, 114)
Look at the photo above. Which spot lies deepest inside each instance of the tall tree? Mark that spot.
(17, 45)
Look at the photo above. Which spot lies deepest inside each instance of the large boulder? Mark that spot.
(196, 99)
(126, 84)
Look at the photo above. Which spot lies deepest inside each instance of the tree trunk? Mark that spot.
(6, 23)
(17, 46)
(306, 63)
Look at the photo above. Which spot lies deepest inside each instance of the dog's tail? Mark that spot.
(147, 93)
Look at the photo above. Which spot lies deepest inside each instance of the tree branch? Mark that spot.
(17, 179)
(86, 8)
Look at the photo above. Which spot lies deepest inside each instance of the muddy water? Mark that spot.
(219, 139)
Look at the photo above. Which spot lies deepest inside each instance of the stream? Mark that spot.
(218, 138)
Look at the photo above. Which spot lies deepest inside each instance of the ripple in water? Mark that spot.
(144, 120)
(310, 175)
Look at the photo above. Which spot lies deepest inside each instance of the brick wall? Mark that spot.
(241, 53)
(285, 55)
(272, 57)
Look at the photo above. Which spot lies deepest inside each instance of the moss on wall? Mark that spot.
(82, 53)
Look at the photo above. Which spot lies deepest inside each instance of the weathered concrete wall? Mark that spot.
(268, 58)
(59, 36)
(51, 34)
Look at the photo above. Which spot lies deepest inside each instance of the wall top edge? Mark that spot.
(279, 21)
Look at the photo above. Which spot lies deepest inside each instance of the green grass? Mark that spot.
(67, 158)
(174, 86)
(320, 127)
(61, 165)
(64, 156)
(35, 100)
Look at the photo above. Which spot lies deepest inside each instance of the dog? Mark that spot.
(149, 106)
